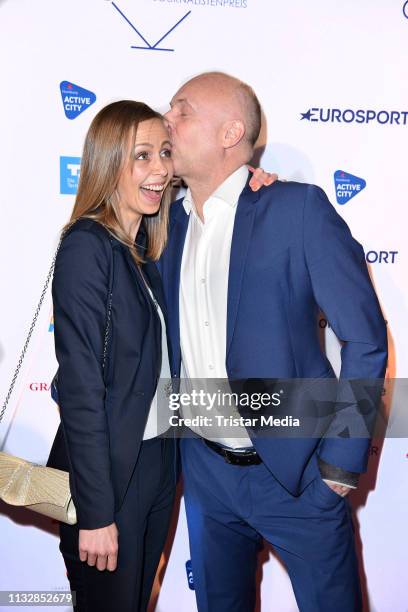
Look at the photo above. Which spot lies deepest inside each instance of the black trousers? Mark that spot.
(142, 522)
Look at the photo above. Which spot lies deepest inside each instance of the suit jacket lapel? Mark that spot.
(241, 236)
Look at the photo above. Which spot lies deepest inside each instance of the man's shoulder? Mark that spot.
(295, 199)
(295, 190)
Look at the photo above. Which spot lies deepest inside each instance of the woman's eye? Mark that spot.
(142, 155)
(166, 153)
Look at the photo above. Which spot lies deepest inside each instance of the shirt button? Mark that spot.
(206, 323)
(211, 366)
(203, 280)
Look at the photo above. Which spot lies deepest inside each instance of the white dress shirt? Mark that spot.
(203, 299)
(154, 425)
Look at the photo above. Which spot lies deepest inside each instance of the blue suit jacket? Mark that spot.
(291, 253)
(103, 414)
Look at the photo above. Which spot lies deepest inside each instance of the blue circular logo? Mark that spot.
(405, 9)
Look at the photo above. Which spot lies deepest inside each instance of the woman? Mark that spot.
(122, 475)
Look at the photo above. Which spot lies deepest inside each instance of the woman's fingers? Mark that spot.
(91, 559)
(101, 561)
(112, 562)
(261, 178)
(99, 547)
(270, 178)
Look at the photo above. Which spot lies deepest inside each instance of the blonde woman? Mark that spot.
(111, 347)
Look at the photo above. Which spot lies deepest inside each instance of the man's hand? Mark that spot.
(342, 490)
(99, 546)
(261, 178)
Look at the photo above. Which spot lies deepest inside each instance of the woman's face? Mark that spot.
(147, 171)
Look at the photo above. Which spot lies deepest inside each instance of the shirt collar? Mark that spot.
(229, 191)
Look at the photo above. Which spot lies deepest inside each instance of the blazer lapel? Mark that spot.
(241, 236)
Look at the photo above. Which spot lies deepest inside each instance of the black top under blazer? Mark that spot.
(103, 412)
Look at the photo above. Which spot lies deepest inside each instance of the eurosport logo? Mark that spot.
(405, 9)
(350, 115)
(75, 99)
(69, 174)
(149, 46)
(347, 186)
(381, 257)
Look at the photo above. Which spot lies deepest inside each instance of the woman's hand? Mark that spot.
(261, 178)
(99, 546)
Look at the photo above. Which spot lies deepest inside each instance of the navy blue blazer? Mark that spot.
(291, 254)
(103, 414)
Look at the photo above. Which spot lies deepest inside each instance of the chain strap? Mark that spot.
(149, 291)
(105, 343)
(34, 321)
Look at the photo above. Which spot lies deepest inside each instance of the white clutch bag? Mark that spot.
(39, 488)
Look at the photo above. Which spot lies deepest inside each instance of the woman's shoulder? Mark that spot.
(86, 224)
(85, 238)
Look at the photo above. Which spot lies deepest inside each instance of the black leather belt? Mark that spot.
(235, 457)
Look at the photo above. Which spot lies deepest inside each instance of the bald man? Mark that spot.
(244, 274)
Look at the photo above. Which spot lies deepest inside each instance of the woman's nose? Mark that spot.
(160, 167)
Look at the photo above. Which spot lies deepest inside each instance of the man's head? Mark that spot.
(214, 121)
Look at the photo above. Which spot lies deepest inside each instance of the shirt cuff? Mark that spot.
(338, 475)
(342, 484)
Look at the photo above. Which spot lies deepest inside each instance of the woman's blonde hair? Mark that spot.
(103, 158)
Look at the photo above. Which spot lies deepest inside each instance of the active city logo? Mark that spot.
(350, 115)
(75, 99)
(148, 46)
(405, 9)
(69, 174)
(347, 186)
(190, 578)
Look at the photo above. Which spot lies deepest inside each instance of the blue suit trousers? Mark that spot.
(231, 508)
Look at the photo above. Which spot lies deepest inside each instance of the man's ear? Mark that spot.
(233, 133)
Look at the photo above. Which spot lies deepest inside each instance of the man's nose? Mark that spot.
(167, 117)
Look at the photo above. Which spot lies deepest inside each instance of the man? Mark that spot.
(244, 274)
